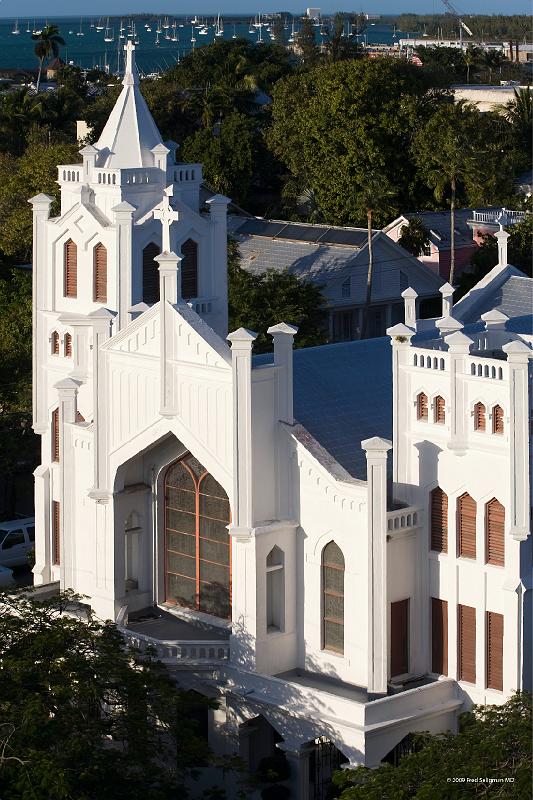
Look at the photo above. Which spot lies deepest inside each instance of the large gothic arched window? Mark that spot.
(189, 270)
(197, 542)
(150, 274)
(333, 598)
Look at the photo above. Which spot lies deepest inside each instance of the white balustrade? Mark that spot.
(403, 519)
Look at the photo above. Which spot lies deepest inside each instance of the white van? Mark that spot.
(17, 538)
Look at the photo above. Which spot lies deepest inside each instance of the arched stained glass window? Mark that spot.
(197, 543)
(333, 598)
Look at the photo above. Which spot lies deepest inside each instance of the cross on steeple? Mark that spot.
(166, 214)
(129, 69)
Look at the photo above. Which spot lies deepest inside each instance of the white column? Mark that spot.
(447, 291)
(283, 336)
(67, 391)
(376, 456)
(502, 237)
(41, 213)
(123, 218)
(101, 322)
(458, 348)
(518, 355)
(218, 214)
(409, 298)
(401, 337)
(43, 557)
(169, 295)
(89, 153)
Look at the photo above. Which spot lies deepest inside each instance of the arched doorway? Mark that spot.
(197, 542)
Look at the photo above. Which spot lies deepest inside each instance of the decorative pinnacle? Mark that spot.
(166, 215)
(130, 71)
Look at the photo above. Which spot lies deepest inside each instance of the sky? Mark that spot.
(51, 8)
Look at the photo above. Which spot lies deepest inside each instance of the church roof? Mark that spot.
(130, 133)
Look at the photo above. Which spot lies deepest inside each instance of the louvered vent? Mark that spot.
(189, 270)
(100, 274)
(56, 533)
(467, 643)
(439, 520)
(467, 526)
(71, 269)
(422, 406)
(497, 420)
(494, 651)
(67, 345)
(55, 435)
(439, 410)
(439, 636)
(479, 417)
(495, 533)
(150, 274)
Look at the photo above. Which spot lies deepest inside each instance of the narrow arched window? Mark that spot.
(67, 345)
(189, 269)
(100, 274)
(479, 417)
(54, 343)
(70, 260)
(495, 533)
(439, 410)
(333, 598)
(197, 543)
(422, 406)
(439, 520)
(466, 526)
(275, 590)
(497, 420)
(150, 274)
(55, 434)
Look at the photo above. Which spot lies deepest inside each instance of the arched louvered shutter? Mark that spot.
(495, 533)
(150, 274)
(333, 598)
(479, 417)
(100, 273)
(466, 643)
(55, 435)
(67, 345)
(55, 343)
(439, 520)
(422, 406)
(70, 257)
(494, 635)
(497, 420)
(56, 533)
(466, 524)
(439, 410)
(189, 270)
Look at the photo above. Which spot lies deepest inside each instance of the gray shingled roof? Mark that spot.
(343, 395)
(514, 298)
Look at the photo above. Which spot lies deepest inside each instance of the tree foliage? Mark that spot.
(414, 237)
(83, 718)
(259, 301)
(494, 744)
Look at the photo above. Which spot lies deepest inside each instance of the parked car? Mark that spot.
(17, 538)
(6, 577)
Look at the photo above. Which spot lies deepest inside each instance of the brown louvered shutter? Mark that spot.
(495, 533)
(439, 520)
(67, 345)
(439, 410)
(79, 417)
(55, 343)
(55, 435)
(56, 533)
(100, 273)
(150, 274)
(189, 270)
(497, 420)
(467, 526)
(494, 651)
(399, 626)
(439, 636)
(479, 417)
(71, 269)
(467, 643)
(422, 406)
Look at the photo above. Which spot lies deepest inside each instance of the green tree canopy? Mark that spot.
(414, 237)
(82, 717)
(494, 743)
(259, 301)
(47, 46)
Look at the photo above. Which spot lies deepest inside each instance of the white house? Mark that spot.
(245, 514)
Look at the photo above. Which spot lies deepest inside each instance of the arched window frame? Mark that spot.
(67, 345)
(422, 411)
(497, 420)
(466, 537)
(330, 578)
(438, 520)
(198, 480)
(100, 273)
(480, 417)
(275, 590)
(150, 273)
(54, 343)
(495, 533)
(189, 269)
(70, 269)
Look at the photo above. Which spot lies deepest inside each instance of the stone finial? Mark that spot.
(494, 320)
(41, 204)
(282, 328)
(458, 342)
(501, 237)
(242, 337)
(400, 334)
(376, 445)
(517, 351)
(447, 291)
(124, 208)
(448, 325)
(283, 335)
(409, 298)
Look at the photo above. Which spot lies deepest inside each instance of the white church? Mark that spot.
(334, 543)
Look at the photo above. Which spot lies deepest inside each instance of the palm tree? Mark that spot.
(414, 237)
(373, 195)
(494, 60)
(47, 46)
(519, 112)
(471, 58)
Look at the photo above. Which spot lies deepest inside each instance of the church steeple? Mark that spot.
(130, 133)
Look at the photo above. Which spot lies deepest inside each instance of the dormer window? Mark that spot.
(422, 407)
(479, 417)
(54, 343)
(100, 274)
(70, 261)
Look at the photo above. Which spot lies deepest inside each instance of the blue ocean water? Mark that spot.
(85, 45)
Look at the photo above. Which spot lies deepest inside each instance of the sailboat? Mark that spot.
(99, 26)
(28, 27)
(158, 29)
(166, 23)
(234, 33)
(80, 32)
(174, 31)
(193, 37)
(157, 38)
(219, 28)
(291, 37)
(251, 28)
(108, 36)
(121, 34)
(16, 30)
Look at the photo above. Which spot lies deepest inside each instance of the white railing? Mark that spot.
(486, 368)
(403, 519)
(492, 216)
(177, 650)
(430, 359)
(70, 173)
(187, 173)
